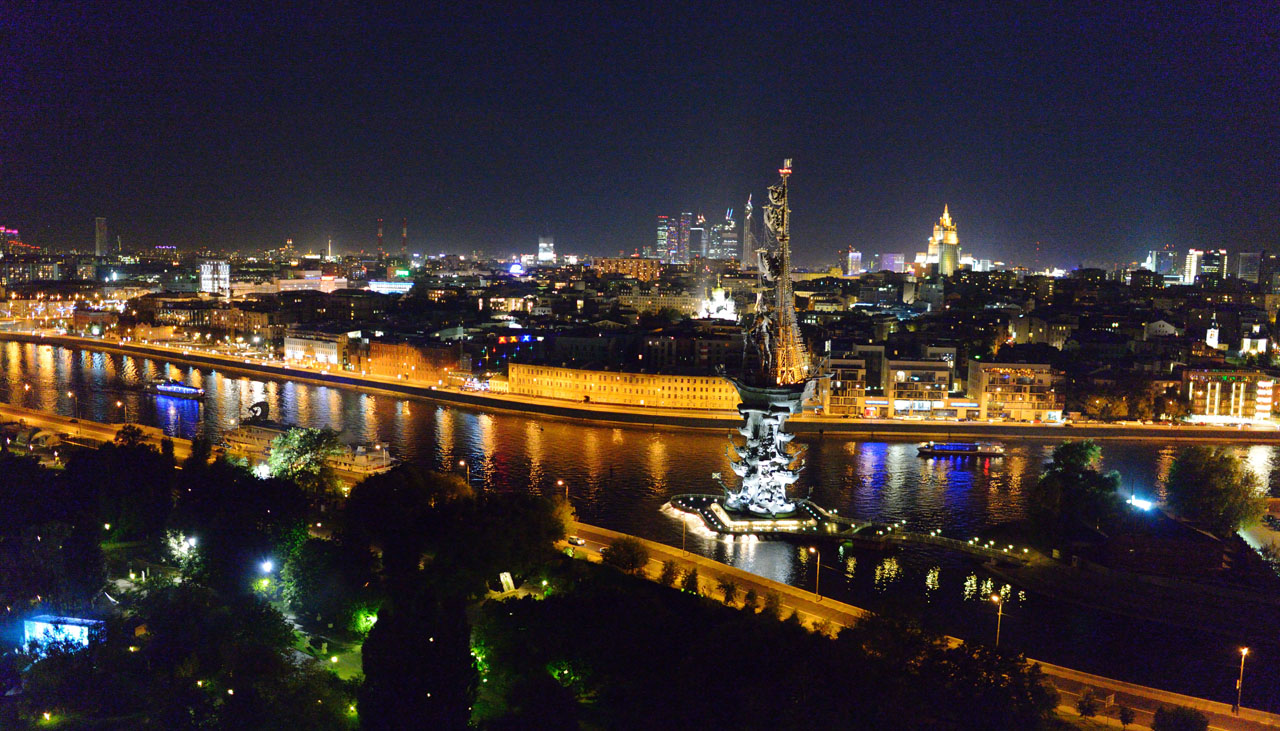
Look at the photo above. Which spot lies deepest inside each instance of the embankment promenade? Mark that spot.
(870, 429)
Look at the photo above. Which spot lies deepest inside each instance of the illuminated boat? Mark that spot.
(959, 449)
(175, 389)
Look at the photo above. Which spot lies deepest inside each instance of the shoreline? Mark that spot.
(875, 430)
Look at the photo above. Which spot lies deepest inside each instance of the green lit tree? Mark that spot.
(1209, 485)
(302, 457)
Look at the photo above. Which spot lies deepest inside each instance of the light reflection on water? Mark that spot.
(620, 476)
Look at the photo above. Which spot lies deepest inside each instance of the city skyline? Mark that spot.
(1099, 136)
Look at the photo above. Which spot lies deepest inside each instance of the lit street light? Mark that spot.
(75, 403)
(999, 615)
(121, 405)
(561, 483)
(817, 570)
(463, 463)
(1240, 681)
(267, 567)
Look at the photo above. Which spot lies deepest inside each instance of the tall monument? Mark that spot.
(778, 380)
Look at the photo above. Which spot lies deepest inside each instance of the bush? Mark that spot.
(773, 605)
(751, 600)
(1178, 718)
(628, 555)
(1125, 715)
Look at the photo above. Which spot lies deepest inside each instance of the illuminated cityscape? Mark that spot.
(931, 385)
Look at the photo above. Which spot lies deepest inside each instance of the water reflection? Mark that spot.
(620, 476)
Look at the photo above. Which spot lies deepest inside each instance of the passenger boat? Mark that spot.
(252, 440)
(175, 389)
(959, 449)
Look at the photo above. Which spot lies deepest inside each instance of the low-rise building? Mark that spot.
(1228, 396)
(643, 269)
(1015, 391)
(622, 388)
(314, 347)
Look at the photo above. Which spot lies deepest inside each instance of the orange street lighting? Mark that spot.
(999, 615)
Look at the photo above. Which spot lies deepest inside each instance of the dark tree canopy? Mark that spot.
(1072, 490)
(1209, 485)
(628, 555)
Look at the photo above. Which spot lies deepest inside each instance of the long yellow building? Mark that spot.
(622, 388)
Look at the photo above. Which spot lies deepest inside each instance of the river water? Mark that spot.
(620, 476)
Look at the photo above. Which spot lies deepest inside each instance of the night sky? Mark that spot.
(1099, 132)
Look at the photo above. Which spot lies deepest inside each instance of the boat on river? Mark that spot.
(175, 389)
(959, 449)
(252, 440)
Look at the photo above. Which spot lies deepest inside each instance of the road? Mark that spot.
(813, 608)
(81, 430)
(876, 429)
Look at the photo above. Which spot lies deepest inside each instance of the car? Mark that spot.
(576, 541)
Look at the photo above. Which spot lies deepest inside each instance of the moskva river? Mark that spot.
(619, 477)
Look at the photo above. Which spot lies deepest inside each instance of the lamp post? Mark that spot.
(75, 403)
(1244, 651)
(561, 483)
(817, 570)
(125, 409)
(463, 463)
(999, 615)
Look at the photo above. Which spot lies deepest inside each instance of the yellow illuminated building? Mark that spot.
(622, 388)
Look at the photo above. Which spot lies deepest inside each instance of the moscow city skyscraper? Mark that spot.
(666, 241)
(101, 242)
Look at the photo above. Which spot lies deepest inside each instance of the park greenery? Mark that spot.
(246, 580)
(1210, 486)
(301, 456)
(1073, 493)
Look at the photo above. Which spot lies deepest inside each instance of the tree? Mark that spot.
(730, 589)
(670, 573)
(126, 484)
(238, 521)
(773, 605)
(627, 554)
(302, 457)
(690, 583)
(750, 600)
(1073, 490)
(1087, 703)
(130, 436)
(1209, 485)
(327, 580)
(405, 512)
(201, 453)
(1125, 715)
(418, 667)
(1179, 718)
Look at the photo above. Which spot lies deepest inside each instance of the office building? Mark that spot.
(665, 245)
(698, 238)
(215, 277)
(1228, 396)
(546, 250)
(944, 246)
(1014, 391)
(852, 262)
(1213, 266)
(1162, 261)
(722, 239)
(1248, 265)
(683, 234)
(101, 242)
(893, 262)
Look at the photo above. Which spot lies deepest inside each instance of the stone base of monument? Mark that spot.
(807, 519)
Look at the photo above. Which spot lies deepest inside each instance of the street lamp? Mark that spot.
(561, 483)
(817, 570)
(463, 463)
(75, 403)
(999, 615)
(1240, 681)
(266, 566)
(120, 405)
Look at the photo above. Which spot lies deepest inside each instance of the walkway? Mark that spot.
(814, 608)
(872, 429)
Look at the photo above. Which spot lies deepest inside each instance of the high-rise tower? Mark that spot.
(404, 237)
(682, 238)
(666, 241)
(101, 242)
(379, 237)
(944, 247)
